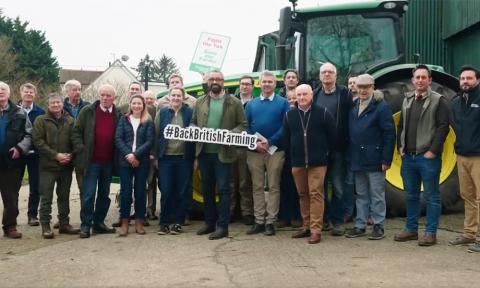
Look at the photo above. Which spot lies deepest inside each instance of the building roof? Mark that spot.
(85, 77)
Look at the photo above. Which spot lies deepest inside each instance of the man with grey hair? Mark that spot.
(93, 141)
(338, 101)
(15, 141)
(73, 102)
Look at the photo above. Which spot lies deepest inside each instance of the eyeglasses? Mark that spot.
(327, 71)
(246, 84)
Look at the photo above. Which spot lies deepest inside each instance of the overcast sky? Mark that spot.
(89, 34)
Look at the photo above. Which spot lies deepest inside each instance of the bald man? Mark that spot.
(308, 132)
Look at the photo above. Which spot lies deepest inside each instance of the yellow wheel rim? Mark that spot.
(449, 160)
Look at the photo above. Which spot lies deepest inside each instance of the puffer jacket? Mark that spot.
(124, 140)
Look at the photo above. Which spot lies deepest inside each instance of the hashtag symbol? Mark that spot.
(168, 132)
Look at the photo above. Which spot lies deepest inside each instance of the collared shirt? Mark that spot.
(421, 96)
(244, 101)
(329, 91)
(105, 109)
(5, 108)
(267, 98)
(27, 108)
(363, 104)
(305, 110)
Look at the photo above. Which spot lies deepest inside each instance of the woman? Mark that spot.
(173, 157)
(134, 138)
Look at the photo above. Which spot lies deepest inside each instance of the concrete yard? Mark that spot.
(188, 260)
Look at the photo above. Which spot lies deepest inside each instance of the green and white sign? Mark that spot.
(210, 52)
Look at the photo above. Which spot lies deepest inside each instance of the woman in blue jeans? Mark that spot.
(173, 156)
(134, 138)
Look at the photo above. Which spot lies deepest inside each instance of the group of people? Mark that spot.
(308, 142)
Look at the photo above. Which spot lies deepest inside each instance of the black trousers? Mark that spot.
(10, 182)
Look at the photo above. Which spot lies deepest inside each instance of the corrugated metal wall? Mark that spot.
(422, 31)
(443, 32)
(459, 15)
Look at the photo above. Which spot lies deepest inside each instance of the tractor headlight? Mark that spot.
(390, 5)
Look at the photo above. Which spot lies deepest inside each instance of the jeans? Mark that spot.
(135, 178)
(31, 163)
(173, 177)
(95, 210)
(415, 170)
(349, 193)
(336, 176)
(215, 173)
(370, 196)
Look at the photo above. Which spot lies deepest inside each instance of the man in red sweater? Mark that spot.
(93, 139)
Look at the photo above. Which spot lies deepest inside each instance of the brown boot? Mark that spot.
(47, 232)
(124, 227)
(12, 233)
(68, 229)
(139, 226)
(428, 239)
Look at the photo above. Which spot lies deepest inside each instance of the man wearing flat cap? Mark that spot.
(372, 140)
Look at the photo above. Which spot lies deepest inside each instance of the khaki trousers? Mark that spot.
(265, 203)
(309, 182)
(241, 185)
(469, 178)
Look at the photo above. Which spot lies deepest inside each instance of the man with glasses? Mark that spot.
(338, 101)
(240, 179)
(217, 110)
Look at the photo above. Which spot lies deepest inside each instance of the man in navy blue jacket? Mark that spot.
(466, 122)
(28, 93)
(308, 132)
(372, 140)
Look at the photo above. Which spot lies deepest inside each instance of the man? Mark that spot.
(73, 103)
(240, 180)
(352, 86)
(290, 79)
(348, 193)
(93, 141)
(150, 100)
(372, 140)
(338, 102)
(308, 132)
(176, 80)
(52, 138)
(466, 122)
(265, 117)
(15, 140)
(289, 209)
(422, 130)
(149, 97)
(217, 110)
(28, 93)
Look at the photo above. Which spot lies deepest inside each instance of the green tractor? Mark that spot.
(357, 37)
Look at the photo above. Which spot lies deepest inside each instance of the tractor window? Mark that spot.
(351, 42)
